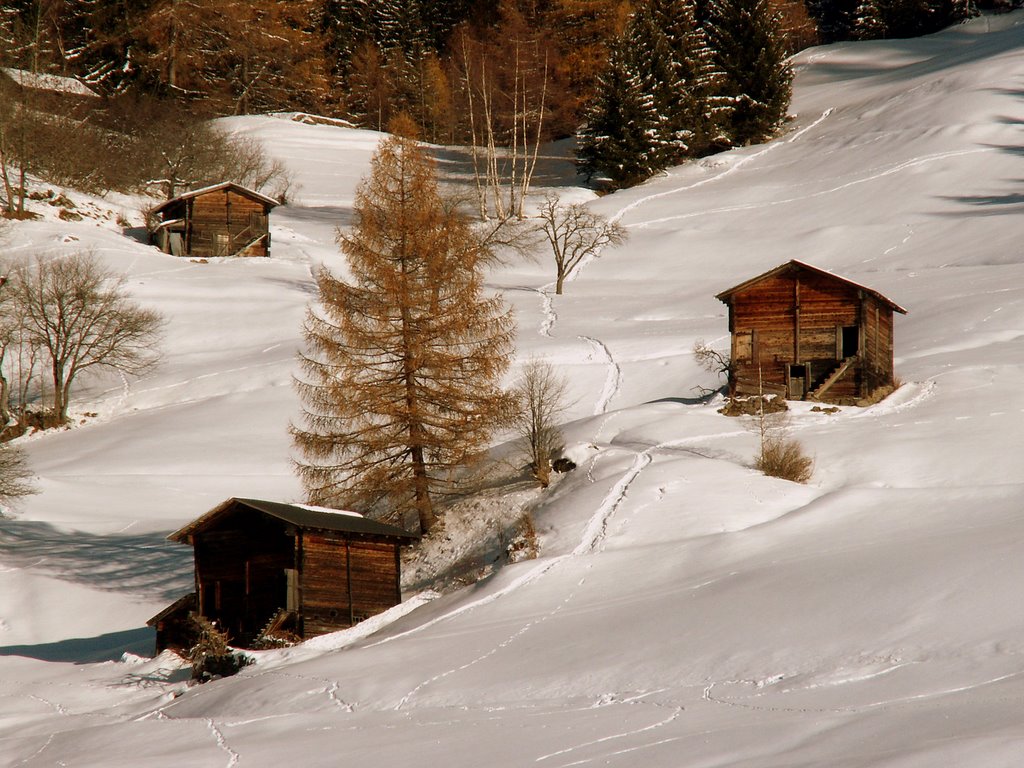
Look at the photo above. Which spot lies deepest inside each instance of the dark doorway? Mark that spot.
(851, 341)
(797, 382)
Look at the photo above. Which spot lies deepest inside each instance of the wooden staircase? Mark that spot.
(280, 629)
(832, 378)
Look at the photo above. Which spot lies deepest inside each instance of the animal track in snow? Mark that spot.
(233, 757)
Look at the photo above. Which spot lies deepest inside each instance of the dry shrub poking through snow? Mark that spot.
(523, 544)
(784, 457)
(211, 656)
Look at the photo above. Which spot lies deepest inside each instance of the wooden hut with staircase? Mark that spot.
(225, 219)
(265, 567)
(806, 334)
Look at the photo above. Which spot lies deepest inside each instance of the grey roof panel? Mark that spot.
(300, 515)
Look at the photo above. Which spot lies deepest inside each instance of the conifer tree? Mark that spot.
(400, 384)
(749, 48)
(834, 18)
(618, 138)
(687, 95)
(868, 23)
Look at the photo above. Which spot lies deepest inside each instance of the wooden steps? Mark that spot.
(832, 378)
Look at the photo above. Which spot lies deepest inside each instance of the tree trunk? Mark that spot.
(60, 395)
(421, 488)
(5, 401)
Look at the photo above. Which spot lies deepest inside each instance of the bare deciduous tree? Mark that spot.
(506, 119)
(15, 476)
(175, 153)
(79, 313)
(574, 234)
(542, 399)
(712, 361)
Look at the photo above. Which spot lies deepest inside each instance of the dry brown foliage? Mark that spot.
(401, 380)
(784, 457)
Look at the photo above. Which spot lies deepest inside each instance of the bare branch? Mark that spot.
(574, 234)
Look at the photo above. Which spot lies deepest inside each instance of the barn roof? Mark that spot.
(229, 185)
(797, 266)
(300, 515)
(181, 605)
(45, 82)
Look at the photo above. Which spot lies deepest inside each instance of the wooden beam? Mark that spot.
(796, 318)
(348, 580)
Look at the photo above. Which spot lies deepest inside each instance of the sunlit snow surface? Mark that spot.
(686, 611)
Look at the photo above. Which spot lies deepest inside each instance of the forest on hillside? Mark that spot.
(480, 71)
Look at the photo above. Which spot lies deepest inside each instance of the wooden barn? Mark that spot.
(307, 570)
(222, 220)
(46, 93)
(806, 334)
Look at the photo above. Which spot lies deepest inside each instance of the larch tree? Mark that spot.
(400, 383)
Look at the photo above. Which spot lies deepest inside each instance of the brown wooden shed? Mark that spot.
(221, 220)
(804, 333)
(311, 569)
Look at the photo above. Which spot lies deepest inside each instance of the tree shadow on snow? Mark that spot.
(144, 565)
(138, 234)
(991, 205)
(86, 650)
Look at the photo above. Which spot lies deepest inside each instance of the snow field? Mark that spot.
(685, 610)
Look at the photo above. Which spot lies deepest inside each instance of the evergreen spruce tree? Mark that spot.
(618, 138)
(696, 79)
(675, 65)
(657, 101)
(909, 18)
(400, 384)
(868, 23)
(750, 50)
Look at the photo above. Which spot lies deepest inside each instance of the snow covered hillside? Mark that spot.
(685, 610)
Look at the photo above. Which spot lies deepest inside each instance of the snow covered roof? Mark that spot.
(795, 265)
(44, 82)
(245, 191)
(301, 515)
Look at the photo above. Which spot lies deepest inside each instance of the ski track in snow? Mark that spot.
(604, 739)
(330, 687)
(547, 308)
(29, 760)
(597, 529)
(702, 182)
(593, 537)
(874, 176)
(483, 657)
(614, 378)
(708, 696)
